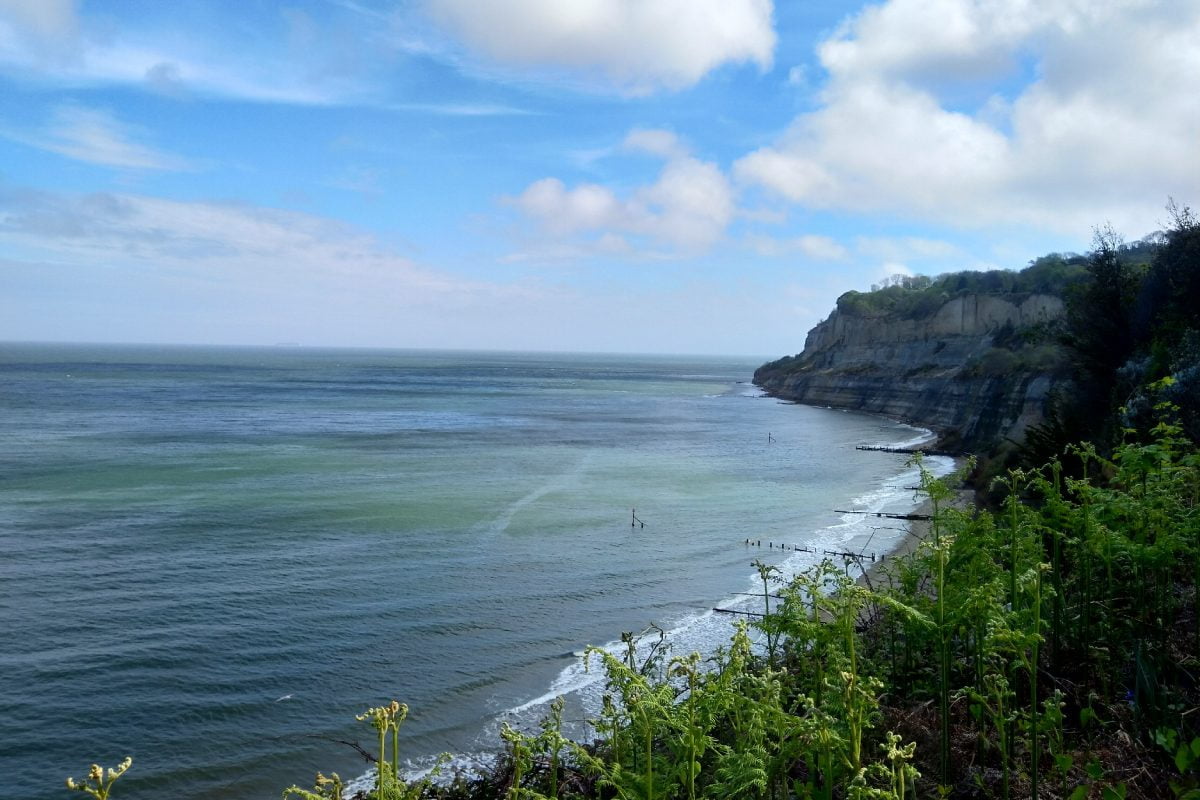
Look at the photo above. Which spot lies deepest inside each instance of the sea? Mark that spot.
(212, 559)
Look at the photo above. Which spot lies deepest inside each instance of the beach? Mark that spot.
(875, 575)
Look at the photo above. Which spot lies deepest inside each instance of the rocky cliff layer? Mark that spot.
(977, 369)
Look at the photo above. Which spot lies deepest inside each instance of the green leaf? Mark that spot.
(1094, 770)
(1087, 716)
(1183, 758)
(1080, 793)
(1064, 763)
(1196, 747)
(1114, 792)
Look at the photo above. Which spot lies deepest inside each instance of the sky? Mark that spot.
(662, 176)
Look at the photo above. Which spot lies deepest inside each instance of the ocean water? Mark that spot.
(212, 559)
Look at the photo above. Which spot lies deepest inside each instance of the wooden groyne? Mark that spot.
(906, 450)
(884, 514)
(858, 558)
(795, 548)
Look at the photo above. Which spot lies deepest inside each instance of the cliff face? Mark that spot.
(971, 370)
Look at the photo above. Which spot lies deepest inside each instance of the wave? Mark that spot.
(705, 631)
(920, 436)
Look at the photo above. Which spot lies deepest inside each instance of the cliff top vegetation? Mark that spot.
(918, 296)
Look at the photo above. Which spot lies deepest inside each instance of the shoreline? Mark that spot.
(478, 763)
(918, 531)
(874, 577)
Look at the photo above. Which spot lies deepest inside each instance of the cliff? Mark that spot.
(976, 368)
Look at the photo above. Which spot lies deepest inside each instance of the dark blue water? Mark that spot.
(212, 559)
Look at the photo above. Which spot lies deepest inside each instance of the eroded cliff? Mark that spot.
(976, 368)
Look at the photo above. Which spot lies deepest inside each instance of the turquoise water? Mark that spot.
(211, 559)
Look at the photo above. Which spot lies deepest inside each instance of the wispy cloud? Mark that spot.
(812, 246)
(67, 49)
(96, 136)
(345, 54)
(217, 272)
(235, 242)
(901, 248)
(364, 181)
(462, 109)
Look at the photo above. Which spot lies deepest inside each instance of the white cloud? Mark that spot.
(45, 19)
(563, 211)
(813, 246)
(638, 45)
(906, 247)
(664, 144)
(690, 204)
(687, 208)
(97, 137)
(924, 38)
(1105, 131)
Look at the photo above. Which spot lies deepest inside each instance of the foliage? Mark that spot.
(98, 782)
(1020, 625)
(918, 296)
(1131, 322)
(324, 788)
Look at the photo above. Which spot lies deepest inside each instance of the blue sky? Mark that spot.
(701, 176)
